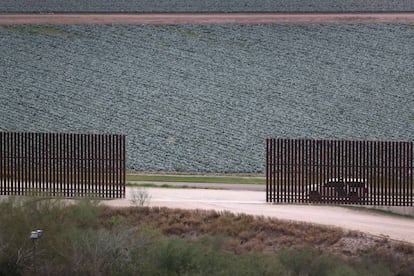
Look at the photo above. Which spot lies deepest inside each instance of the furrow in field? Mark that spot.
(204, 98)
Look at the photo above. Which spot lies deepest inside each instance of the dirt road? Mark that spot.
(253, 202)
(205, 18)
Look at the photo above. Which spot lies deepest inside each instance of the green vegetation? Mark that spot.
(86, 238)
(151, 185)
(36, 30)
(197, 179)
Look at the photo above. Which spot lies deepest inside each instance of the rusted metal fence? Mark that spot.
(62, 164)
(339, 172)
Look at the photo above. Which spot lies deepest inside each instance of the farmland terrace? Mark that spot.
(205, 97)
(206, 6)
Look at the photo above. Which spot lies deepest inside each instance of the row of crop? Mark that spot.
(205, 98)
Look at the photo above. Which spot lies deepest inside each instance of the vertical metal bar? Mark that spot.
(97, 164)
(304, 192)
(338, 169)
(4, 157)
(73, 159)
(363, 176)
(321, 163)
(65, 164)
(103, 175)
(305, 166)
(107, 163)
(17, 159)
(112, 165)
(124, 164)
(392, 178)
(277, 170)
(290, 174)
(389, 167)
(372, 175)
(376, 180)
(31, 162)
(288, 150)
(73, 189)
(27, 162)
(89, 156)
(58, 179)
(295, 175)
(101, 178)
(53, 163)
(10, 165)
(387, 173)
(44, 168)
(79, 164)
(267, 169)
(402, 173)
(22, 163)
(68, 164)
(41, 164)
(411, 172)
(77, 170)
(62, 164)
(351, 167)
(118, 186)
(398, 173)
(7, 163)
(281, 169)
(48, 163)
(16, 164)
(407, 174)
(115, 166)
(291, 168)
(285, 169)
(384, 198)
(85, 161)
(2, 174)
(87, 146)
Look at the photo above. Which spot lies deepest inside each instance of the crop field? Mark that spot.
(206, 5)
(204, 98)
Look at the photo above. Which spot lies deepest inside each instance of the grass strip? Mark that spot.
(165, 185)
(197, 179)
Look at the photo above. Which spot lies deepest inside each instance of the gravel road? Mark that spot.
(206, 18)
(253, 202)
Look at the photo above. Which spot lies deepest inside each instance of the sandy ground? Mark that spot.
(205, 18)
(253, 202)
(218, 186)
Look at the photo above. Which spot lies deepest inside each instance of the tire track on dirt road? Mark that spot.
(205, 18)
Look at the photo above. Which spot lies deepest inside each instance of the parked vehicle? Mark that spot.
(338, 189)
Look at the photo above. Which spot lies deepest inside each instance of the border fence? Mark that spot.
(339, 172)
(62, 164)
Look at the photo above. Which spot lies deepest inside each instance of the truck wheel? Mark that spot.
(314, 196)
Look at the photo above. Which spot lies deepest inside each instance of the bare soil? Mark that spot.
(254, 203)
(205, 18)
